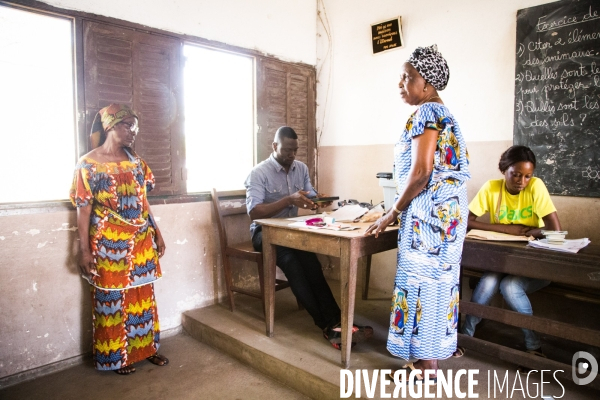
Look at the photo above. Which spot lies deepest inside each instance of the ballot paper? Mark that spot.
(569, 245)
(489, 235)
(348, 213)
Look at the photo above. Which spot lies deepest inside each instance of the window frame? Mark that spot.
(81, 140)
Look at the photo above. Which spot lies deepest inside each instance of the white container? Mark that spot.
(389, 192)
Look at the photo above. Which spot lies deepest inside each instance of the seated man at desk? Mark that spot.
(276, 188)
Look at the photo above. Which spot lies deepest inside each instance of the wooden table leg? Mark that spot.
(348, 270)
(269, 266)
(366, 277)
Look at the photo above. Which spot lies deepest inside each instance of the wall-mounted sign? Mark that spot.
(387, 35)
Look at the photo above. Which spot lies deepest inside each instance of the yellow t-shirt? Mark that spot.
(526, 208)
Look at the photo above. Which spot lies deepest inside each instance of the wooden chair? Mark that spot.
(226, 204)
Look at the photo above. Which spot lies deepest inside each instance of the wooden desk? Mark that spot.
(349, 246)
(580, 270)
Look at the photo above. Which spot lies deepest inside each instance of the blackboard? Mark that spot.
(557, 93)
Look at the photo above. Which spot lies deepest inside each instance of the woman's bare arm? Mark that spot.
(510, 229)
(85, 260)
(160, 243)
(551, 223)
(423, 148)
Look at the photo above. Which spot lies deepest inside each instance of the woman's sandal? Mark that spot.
(419, 378)
(460, 351)
(126, 370)
(159, 360)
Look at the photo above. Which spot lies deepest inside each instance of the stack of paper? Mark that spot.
(569, 246)
(489, 235)
(348, 213)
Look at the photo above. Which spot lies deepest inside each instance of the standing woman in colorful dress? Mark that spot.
(430, 171)
(119, 243)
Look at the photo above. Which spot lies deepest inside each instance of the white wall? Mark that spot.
(45, 305)
(283, 28)
(477, 38)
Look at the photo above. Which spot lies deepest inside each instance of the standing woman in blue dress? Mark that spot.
(430, 172)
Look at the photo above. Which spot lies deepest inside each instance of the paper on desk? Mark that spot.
(331, 227)
(569, 246)
(348, 213)
(489, 235)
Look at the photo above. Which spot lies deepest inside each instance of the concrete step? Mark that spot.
(299, 357)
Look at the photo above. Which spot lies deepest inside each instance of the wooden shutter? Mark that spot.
(143, 71)
(286, 96)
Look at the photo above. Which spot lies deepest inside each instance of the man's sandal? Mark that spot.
(126, 370)
(460, 351)
(159, 360)
(339, 345)
(334, 334)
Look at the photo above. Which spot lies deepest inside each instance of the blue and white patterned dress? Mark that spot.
(424, 313)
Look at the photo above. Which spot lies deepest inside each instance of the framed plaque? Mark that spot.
(387, 35)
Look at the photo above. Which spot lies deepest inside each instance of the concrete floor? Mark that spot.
(232, 358)
(195, 371)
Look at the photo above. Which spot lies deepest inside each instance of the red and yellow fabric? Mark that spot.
(121, 234)
(126, 327)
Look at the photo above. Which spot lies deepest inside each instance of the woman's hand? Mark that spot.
(536, 233)
(160, 244)
(86, 264)
(516, 229)
(381, 224)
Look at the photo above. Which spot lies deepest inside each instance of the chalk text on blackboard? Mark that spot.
(543, 25)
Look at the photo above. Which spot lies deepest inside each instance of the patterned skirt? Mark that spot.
(125, 326)
(424, 311)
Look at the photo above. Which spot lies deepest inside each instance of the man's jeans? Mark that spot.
(514, 289)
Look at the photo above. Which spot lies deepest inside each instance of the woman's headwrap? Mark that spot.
(105, 119)
(428, 61)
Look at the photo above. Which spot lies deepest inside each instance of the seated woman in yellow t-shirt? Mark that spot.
(519, 204)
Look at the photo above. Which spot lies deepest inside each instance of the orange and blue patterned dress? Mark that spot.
(125, 320)
(424, 311)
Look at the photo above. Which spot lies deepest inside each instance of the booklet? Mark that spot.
(489, 235)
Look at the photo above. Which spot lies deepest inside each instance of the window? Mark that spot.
(219, 118)
(207, 115)
(38, 150)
